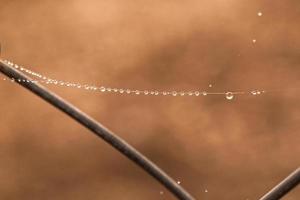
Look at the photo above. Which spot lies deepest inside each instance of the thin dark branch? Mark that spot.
(284, 187)
(98, 129)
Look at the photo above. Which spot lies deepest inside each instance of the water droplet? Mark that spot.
(256, 92)
(174, 93)
(210, 85)
(259, 14)
(161, 192)
(165, 93)
(178, 182)
(128, 91)
(206, 191)
(156, 93)
(121, 91)
(182, 93)
(254, 40)
(190, 93)
(229, 95)
(146, 92)
(137, 92)
(197, 93)
(204, 93)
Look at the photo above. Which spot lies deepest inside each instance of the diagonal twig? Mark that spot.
(118, 143)
(284, 187)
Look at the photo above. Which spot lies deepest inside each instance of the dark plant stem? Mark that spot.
(98, 129)
(284, 187)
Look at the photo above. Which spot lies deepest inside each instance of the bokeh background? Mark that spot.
(217, 149)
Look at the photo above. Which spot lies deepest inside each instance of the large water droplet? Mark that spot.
(229, 95)
(259, 14)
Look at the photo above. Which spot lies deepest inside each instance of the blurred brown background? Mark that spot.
(234, 149)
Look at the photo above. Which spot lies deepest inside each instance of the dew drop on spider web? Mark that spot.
(229, 95)
(253, 92)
